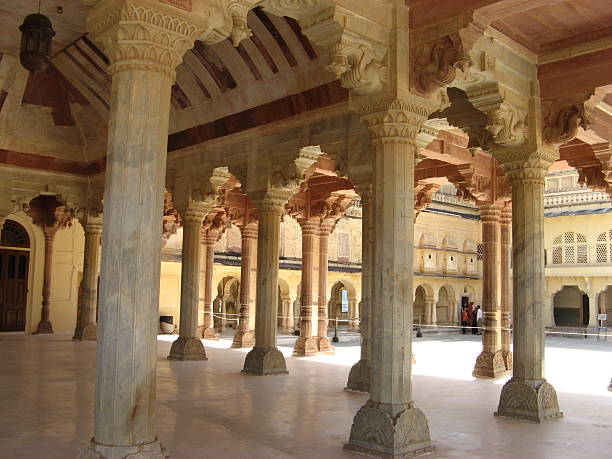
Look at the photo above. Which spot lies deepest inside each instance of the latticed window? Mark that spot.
(14, 235)
(603, 247)
(480, 251)
(570, 248)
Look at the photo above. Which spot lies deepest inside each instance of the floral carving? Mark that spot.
(374, 429)
(490, 365)
(359, 67)
(521, 399)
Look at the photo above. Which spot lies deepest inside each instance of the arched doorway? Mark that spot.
(14, 261)
(342, 306)
(226, 306)
(445, 305)
(284, 308)
(571, 307)
(419, 305)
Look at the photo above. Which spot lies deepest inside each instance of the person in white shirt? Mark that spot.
(479, 319)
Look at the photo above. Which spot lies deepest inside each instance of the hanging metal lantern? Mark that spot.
(36, 35)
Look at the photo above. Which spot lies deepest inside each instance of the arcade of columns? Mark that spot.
(494, 134)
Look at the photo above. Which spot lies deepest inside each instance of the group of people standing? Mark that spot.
(471, 317)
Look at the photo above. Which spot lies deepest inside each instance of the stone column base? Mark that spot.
(88, 332)
(325, 346)
(209, 333)
(490, 365)
(376, 432)
(306, 346)
(359, 377)
(265, 362)
(44, 328)
(243, 339)
(532, 400)
(152, 450)
(187, 348)
(508, 360)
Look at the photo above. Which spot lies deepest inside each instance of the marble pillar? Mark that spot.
(505, 300)
(323, 342)
(490, 363)
(307, 344)
(265, 358)
(527, 394)
(359, 376)
(208, 241)
(44, 326)
(593, 310)
(144, 55)
(245, 335)
(390, 423)
(433, 319)
(188, 346)
(86, 327)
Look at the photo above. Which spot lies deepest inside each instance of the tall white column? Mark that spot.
(188, 346)
(265, 358)
(359, 376)
(527, 394)
(400, 428)
(593, 309)
(144, 51)
(87, 328)
(245, 335)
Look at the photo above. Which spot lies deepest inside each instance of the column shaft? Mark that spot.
(490, 363)
(527, 394)
(131, 246)
(506, 307)
(44, 326)
(265, 358)
(359, 376)
(188, 345)
(86, 329)
(208, 332)
(402, 429)
(324, 343)
(245, 335)
(307, 344)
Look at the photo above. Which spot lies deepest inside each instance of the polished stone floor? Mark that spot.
(210, 410)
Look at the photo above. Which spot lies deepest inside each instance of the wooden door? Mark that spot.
(13, 289)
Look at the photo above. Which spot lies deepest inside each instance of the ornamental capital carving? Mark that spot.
(153, 35)
(527, 164)
(561, 118)
(357, 47)
(50, 214)
(423, 195)
(397, 120)
(507, 125)
(435, 64)
(296, 9)
(271, 201)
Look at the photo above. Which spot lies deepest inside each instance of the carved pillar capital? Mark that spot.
(526, 164)
(272, 200)
(195, 212)
(490, 213)
(396, 120)
(146, 35)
